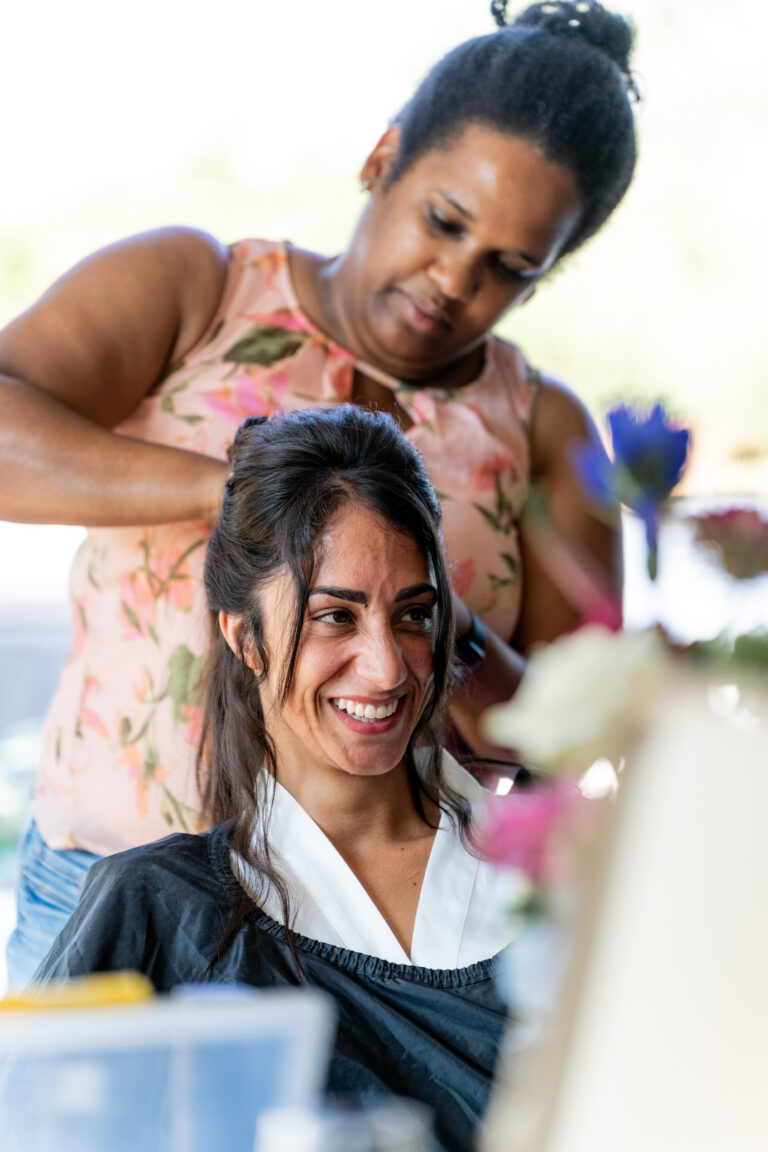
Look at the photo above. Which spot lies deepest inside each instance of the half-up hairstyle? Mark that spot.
(559, 76)
(291, 475)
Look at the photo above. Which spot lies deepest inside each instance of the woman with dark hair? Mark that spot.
(125, 384)
(338, 855)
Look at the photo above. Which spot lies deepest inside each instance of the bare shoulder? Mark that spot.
(188, 266)
(102, 334)
(560, 419)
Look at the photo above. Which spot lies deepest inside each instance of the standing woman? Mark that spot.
(123, 386)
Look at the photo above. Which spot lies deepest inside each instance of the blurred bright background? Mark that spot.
(254, 119)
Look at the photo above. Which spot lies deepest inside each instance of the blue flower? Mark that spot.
(650, 455)
(650, 449)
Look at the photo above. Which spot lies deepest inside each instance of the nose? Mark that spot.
(455, 275)
(380, 659)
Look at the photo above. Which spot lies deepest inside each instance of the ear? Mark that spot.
(230, 625)
(376, 167)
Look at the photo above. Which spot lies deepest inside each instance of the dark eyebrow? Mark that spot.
(465, 212)
(451, 199)
(340, 594)
(414, 590)
(361, 598)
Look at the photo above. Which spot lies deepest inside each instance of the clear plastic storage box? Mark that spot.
(187, 1073)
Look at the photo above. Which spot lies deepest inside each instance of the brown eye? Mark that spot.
(420, 615)
(442, 224)
(507, 271)
(335, 616)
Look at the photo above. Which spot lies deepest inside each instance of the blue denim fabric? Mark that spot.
(47, 889)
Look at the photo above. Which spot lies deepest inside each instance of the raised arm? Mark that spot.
(571, 561)
(80, 360)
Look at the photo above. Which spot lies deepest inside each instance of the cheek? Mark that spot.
(317, 665)
(421, 660)
(399, 247)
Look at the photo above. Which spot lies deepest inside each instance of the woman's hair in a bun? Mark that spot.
(558, 75)
(604, 30)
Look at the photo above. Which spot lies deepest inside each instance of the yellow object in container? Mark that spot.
(101, 988)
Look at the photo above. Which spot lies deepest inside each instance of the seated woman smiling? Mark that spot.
(339, 854)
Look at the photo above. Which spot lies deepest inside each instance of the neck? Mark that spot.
(354, 811)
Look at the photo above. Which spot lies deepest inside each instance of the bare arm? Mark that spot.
(571, 533)
(80, 360)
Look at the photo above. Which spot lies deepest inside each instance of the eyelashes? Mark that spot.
(418, 617)
(444, 226)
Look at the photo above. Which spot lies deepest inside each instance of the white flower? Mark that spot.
(583, 697)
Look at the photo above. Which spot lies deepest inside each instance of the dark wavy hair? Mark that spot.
(558, 75)
(291, 474)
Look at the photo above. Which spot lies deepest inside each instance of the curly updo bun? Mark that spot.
(558, 75)
(606, 31)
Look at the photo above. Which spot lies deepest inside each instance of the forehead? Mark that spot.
(504, 182)
(358, 544)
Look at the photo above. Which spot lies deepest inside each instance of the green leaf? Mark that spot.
(176, 806)
(489, 516)
(125, 730)
(512, 563)
(131, 616)
(185, 675)
(265, 344)
(150, 763)
(192, 418)
(216, 329)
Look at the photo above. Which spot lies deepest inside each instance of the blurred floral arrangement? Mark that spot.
(587, 697)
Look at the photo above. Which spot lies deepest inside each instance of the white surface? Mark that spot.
(669, 1051)
(692, 596)
(34, 572)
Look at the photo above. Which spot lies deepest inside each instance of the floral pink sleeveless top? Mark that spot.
(118, 763)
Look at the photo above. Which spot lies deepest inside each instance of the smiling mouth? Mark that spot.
(366, 712)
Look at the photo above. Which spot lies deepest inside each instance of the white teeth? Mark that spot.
(366, 711)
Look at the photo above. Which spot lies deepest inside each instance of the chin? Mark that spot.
(373, 766)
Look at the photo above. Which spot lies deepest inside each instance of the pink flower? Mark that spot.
(484, 478)
(193, 718)
(137, 604)
(176, 586)
(249, 396)
(462, 576)
(290, 321)
(514, 831)
(86, 716)
(740, 536)
(143, 773)
(423, 406)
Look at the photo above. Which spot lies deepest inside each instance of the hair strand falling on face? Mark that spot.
(290, 476)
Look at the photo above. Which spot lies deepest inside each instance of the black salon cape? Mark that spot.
(430, 1034)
